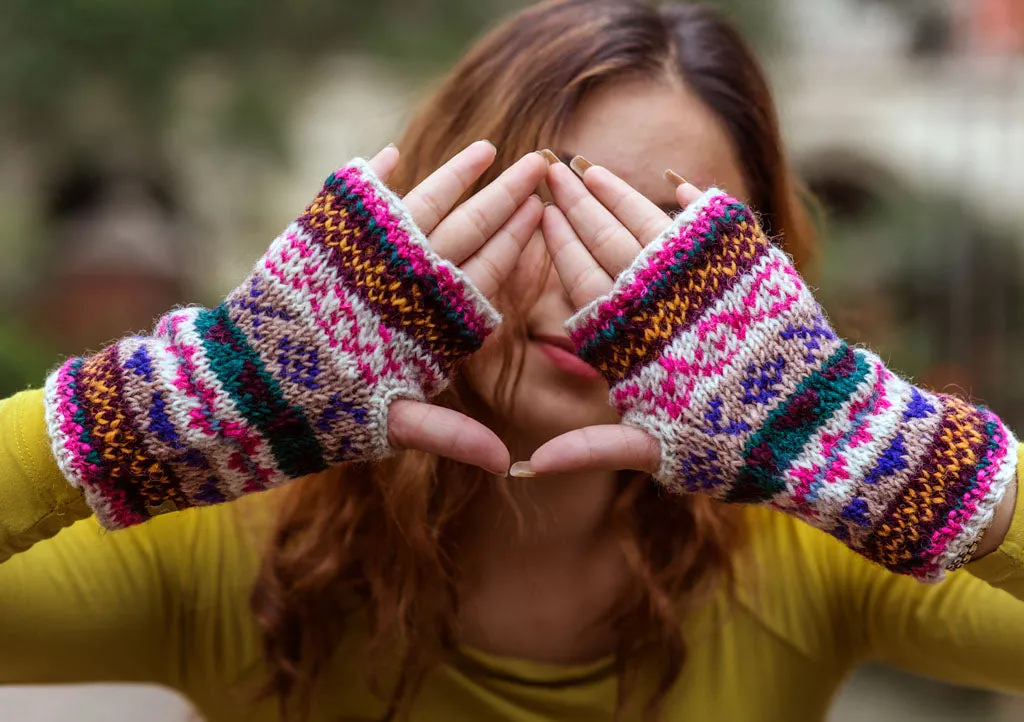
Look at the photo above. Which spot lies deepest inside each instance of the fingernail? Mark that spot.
(550, 157)
(522, 470)
(490, 144)
(674, 178)
(580, 165)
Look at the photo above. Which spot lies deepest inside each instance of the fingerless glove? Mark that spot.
(348, 310)
(712, 343)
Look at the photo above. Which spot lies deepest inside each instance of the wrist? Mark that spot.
(992, 537)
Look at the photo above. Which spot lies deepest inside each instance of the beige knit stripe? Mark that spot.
(315, 287)
(919, 435)
(362, 376)
(762, 339)
(267, 337)
(885, 426)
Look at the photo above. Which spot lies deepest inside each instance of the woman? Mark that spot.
(404, 575)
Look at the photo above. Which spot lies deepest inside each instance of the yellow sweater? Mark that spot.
(167, 602)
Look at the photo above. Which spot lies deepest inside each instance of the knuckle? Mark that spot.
(604, 236)
(652, 228)
(478, 221)
(432, 204)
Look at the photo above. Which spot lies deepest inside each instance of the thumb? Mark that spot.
(384, 163)
(446, 432)
(611, 447)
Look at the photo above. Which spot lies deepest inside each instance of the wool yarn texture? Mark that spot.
(348, 310)
(712, 343)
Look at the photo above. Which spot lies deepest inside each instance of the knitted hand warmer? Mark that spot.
(712, 343)
(348, 310)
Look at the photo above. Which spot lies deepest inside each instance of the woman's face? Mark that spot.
(637, 129)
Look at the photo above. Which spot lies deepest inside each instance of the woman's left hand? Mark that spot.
(594, 230)
(732, 383)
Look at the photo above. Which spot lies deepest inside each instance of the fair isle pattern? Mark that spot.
(348, 310)
(712, 343)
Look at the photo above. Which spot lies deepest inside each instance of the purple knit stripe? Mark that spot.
(427, 266)
(148, 476)
(187, 468)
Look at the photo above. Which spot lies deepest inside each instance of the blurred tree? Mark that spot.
(23, 359)
(931, 284)
(757, 19)
(54, 52)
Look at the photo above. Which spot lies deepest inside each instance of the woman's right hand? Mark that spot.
(483, 237)
(356, 315)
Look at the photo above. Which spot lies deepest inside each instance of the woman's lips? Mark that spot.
(559, 350)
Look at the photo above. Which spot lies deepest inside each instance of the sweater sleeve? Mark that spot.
(967, 630)
(833, 604)
(35, 500)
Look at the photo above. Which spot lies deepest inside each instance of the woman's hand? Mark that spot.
(595, 230)
(730, 382)
(363, 306)
(483, 237)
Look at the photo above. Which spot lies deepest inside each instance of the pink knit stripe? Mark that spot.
(424, 262)
(654, 265)
(105, 497)
(211, 418)
(973, 500)
(318, 287)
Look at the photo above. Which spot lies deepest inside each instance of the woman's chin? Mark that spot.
(541, 420)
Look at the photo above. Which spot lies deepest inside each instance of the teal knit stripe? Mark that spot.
(257, 394)
(789, 427)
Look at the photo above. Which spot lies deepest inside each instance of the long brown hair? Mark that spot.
(381, 539)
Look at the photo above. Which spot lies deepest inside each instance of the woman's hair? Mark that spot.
(380, 541)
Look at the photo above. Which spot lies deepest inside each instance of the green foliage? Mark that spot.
(931, 283)
(23, 360)
(136, 49)
(757, 19)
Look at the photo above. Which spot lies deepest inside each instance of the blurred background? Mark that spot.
(150, 150)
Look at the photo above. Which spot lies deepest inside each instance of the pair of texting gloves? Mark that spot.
(710, 342)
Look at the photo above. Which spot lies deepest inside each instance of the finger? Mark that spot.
(434, 198)
(472, 224)
(384, 163)
(598, 448)
(686, 192)
(605, 237)
(581, 275)
(490, 266)
(642, 218)
(447, 433)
